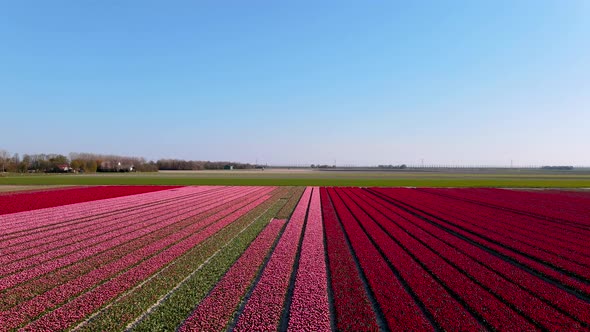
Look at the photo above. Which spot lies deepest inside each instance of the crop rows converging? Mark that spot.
(215, 258)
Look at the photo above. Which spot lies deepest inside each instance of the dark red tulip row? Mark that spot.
(555, 244)
(26, 201)
(447, 311)
(400, 310)
(403, 227)
(310, 309)
(87, 303)
(513, 250)
(562, 207)
(352, 307)
(216, 311)
(263, 310)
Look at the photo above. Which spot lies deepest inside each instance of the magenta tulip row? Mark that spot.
(263, 310)
(87, 303)
(216, 311)
(310, 309)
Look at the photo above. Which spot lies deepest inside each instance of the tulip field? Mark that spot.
(285, 258)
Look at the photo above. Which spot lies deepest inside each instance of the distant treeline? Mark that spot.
(92, 162)
(560, 168)
(194, 165)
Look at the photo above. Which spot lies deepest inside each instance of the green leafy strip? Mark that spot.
(288, 209)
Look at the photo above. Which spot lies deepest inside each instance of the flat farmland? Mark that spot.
(498, 178)
(287, 258)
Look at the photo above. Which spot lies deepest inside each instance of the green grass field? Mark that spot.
(503, 179)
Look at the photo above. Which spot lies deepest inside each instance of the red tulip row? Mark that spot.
(119, 258)
(352, 306)
(403, 227)
(553, 205)
(554, 241)
(400, 310)
(18, 202)
(216, 311)
(107, 228)
(516, 252)
(85, 253)
(310, 309)
(447, 312)
(517, 285)
(263, 310)
(87, 303)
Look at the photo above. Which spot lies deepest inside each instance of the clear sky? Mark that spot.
(359, 82)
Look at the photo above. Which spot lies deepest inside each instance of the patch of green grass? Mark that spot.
(359, 179)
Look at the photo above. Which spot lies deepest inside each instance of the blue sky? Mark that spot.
(359, 82)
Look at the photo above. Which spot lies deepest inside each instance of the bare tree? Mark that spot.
(4, 155)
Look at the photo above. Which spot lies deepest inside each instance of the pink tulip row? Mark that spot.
(310, 309)
(23, 221)
(217, 309)
(352, 307)
(24, 201)
(30, 309)
(263, 310)
(85, 304)
(97, 232)
(86, 221)
(518, 253)
(37, 270)
(151, 244)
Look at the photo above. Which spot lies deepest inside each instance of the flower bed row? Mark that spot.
(352, 306)
(194, 276)
(216, 311)
(23, 223)
(85, 220)
(37, 270)
(447, 312)
(400, 224)
(196, 232)
(512, 254)
(529, 233)
(43, 199)
(77, 309)
(264, 308)
(107, 228)
(400, 310)
(310, 309)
